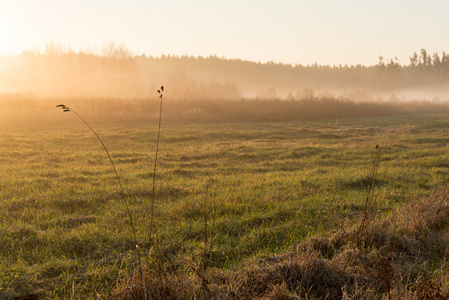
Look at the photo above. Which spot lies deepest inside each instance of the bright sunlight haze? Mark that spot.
(296, 32)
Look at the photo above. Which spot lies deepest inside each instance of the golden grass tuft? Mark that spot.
(389, 259)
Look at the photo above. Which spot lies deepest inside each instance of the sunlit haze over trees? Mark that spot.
(116, 71)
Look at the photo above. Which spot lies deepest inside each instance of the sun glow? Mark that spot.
(6, 34)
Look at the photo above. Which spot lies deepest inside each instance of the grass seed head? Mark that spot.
(63, 107)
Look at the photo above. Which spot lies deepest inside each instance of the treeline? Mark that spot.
(424, 62)
(116, 72)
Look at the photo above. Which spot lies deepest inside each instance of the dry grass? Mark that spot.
(16, 109)
(399, 257)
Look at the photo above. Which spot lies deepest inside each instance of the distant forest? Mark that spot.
(116, 72)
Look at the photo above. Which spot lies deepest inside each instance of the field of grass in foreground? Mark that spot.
(64, 230)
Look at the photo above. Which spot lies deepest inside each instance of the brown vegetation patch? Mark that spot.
(383, 259)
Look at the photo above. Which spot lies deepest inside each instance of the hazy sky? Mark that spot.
(290, 31)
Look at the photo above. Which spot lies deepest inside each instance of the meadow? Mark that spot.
(228, 193)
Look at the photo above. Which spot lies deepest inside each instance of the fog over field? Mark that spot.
(116, 72)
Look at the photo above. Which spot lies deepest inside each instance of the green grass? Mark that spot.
(64, 229)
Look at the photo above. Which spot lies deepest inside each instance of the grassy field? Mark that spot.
(262, 187)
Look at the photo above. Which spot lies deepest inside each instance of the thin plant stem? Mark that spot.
(206, 252)
(205, 218)
(369, 201)
(153, 197)
(105, 149)
(373, 178)
(68, 109)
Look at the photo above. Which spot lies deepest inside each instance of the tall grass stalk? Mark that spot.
(204, 281)
(153, 197)
(68, 109)
(200, 263)
(369, 201)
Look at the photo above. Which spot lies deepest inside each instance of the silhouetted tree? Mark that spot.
(414, 60)
(429, 61)
(381, 64)
(112, 50)
(445, 61)
(436, 61)
(423, 57)
(393, 65)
